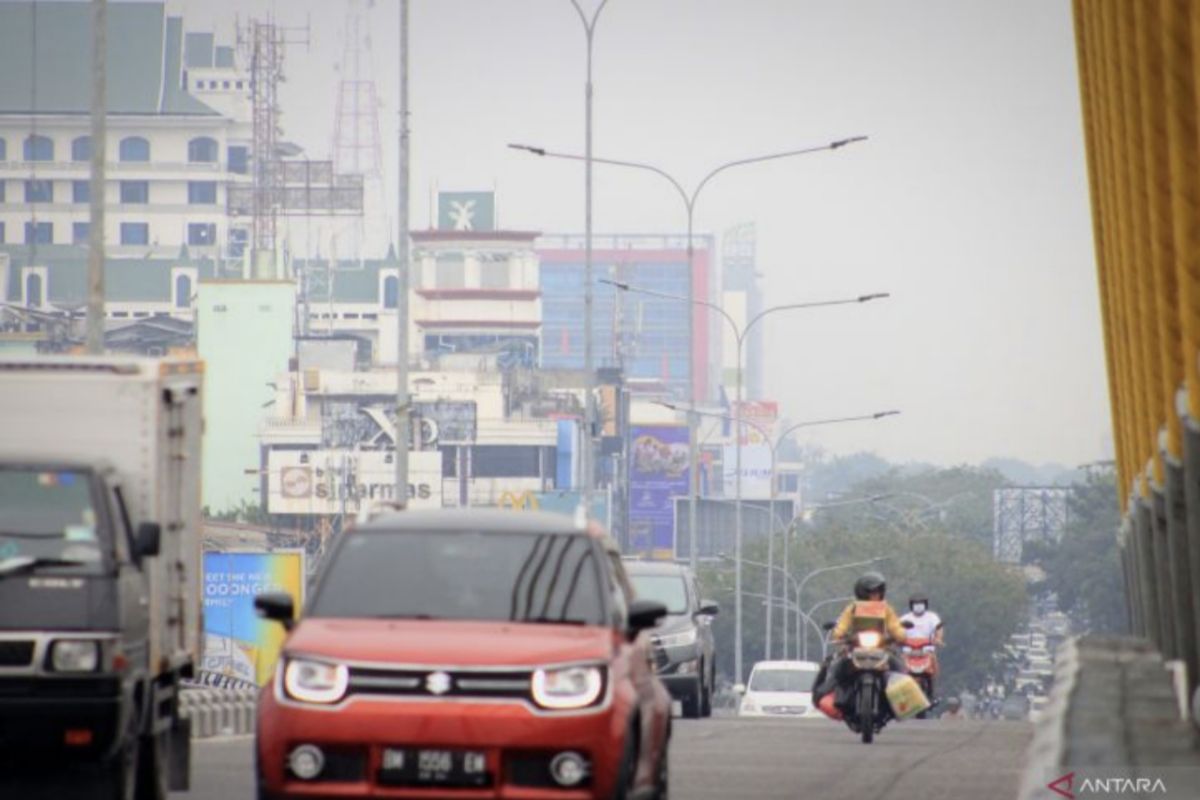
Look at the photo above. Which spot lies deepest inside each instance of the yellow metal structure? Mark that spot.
(1138, 62)
(1138, 85)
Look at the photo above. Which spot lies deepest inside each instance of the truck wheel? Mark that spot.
(154, 767)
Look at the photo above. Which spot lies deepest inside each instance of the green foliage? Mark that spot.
(1084, 569)
(244, 512)
(956, 501)
(939, 542)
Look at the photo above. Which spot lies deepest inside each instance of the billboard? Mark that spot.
(237, 643)
(559, 502)
(658, 472)
(331, 482)
(763, 413)
(351, 424)
(756, 470)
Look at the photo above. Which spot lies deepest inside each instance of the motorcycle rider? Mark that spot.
(926, 624)
(871, 586)
(834, 675)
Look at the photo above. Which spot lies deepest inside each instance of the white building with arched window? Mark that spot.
(175, 142)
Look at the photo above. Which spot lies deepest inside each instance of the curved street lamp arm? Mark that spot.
(755, 160)
(616, 162)
(823, 570)
(834, 420)
(828, 601)
(862, 298)
(628, 287)
(588, 26)
(763, 564)
(728, 418)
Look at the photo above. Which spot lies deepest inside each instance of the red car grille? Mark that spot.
(441, 683)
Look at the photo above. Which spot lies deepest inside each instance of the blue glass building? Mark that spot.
(646, 335)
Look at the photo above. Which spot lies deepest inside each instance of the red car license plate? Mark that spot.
(431, 767)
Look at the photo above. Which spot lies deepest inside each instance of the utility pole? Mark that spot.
(95, 269)
(589, 366)
(402, 400)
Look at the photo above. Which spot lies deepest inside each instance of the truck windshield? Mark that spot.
(48, 515)
(466, 575)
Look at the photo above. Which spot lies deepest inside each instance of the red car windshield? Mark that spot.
(467, 575)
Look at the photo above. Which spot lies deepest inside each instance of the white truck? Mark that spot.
(99, 569)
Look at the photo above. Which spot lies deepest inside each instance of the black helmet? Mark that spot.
(869, 583)
(918, 597)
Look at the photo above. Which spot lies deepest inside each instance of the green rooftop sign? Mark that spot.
(466, 211)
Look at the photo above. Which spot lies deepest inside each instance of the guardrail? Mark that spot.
(1117, 710)
(218, 712)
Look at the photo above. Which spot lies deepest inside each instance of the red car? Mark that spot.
(472, 654)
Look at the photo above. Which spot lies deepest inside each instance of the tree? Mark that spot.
(245, 512)
(1084, 569)
(982, 602)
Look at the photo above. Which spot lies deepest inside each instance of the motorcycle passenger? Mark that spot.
(872, 586)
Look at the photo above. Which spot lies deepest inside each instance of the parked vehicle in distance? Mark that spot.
(686, 659)
(466, 653)
(100, 570)
(780, 689)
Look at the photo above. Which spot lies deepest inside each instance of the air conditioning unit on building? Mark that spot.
(312, 380)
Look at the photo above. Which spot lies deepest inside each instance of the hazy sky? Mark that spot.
(968, 203)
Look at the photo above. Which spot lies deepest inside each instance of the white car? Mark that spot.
(780, 689)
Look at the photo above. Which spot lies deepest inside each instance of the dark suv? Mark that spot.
(684, 639)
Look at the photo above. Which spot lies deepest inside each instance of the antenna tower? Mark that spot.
(357, 145)
(262, 44)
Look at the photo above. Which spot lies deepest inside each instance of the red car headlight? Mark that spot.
(312, 681)
(567, 687)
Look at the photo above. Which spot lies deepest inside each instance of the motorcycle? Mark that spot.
(868, 660)
(920, 657)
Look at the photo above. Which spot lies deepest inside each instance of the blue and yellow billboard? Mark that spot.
(237, 643)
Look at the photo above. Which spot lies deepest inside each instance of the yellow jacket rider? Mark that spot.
(871, 587)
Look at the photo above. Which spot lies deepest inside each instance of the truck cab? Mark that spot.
(73, 609)
(99, 598)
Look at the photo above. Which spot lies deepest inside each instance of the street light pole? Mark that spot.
(773, 446)
(740, 333)
(402, 398)
(809, 615)
(589, 403)
(94, 336)
(689, 202)
(821, 571)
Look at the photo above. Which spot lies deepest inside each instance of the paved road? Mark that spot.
(731, 759)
